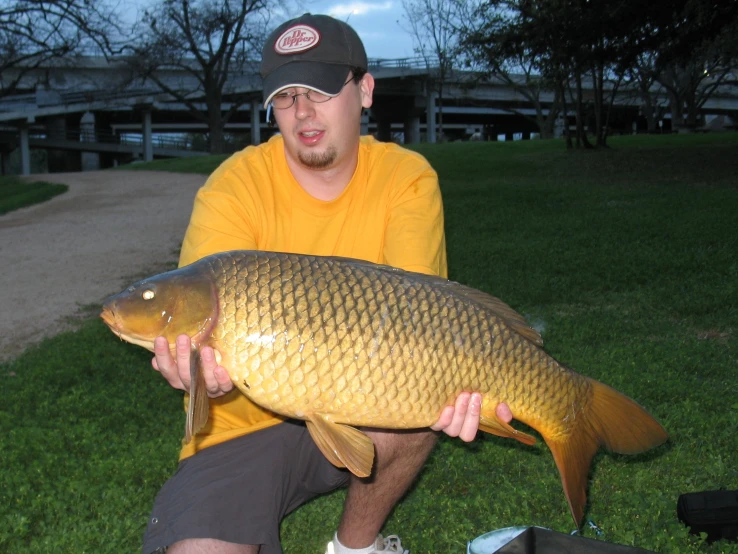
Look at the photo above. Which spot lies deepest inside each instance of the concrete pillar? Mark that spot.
(384, 129)
(25, 150)
(60, 161)
(255, 122)
(364, 123)
(88, 133)
(412, 129)
(560, 126)
(430, 118)
(104, 133)
(148, 144)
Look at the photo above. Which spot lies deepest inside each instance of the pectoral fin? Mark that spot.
(344, 446)
(496, 426)
(197, 409)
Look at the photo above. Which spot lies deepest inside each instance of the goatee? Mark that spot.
(318, 160)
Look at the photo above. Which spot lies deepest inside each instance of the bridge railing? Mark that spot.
(89, 96)
(46, 98)
(169, 141)
(398, 63)
(17, 102)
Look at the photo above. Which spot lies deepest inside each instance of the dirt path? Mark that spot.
(84, 245)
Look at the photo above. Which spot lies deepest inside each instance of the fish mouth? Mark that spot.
(108, 315)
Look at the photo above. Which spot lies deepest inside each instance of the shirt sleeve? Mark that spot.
(415, 238)
(220, 220)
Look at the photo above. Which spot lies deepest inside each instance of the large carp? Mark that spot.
(339, 342)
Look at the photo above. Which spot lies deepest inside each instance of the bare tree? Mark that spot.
(215, 43)
(433, 25)
(509, 62)
(34, 32)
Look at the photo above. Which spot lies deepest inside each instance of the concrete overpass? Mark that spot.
(97, 107)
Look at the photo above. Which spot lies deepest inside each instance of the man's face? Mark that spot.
(325, 135)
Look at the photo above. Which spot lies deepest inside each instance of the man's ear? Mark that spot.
(366, 87)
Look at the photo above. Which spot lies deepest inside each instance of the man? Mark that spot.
(317, 188)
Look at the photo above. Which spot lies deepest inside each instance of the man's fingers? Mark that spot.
(224, 380)
(217, 380)
(183, 350)
(461, 408)
(444, 420)
(207, 366)
(470, 423)
(503, 412)
(209, 370)
(165, 364)
(452, 426)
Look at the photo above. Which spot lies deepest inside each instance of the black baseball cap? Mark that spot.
(311, 51)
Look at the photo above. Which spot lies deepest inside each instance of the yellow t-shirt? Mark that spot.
(390, 213)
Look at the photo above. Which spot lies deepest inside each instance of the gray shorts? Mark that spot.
(240, 490)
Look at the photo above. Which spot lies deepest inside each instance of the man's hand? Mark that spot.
(177, 372)
(462, 419)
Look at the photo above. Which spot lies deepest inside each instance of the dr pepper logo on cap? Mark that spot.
(297, 38)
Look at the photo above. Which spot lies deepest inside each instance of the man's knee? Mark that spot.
(413, 446)
(211, 546)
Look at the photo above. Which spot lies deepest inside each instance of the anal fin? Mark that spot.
(496, 426)
(342, 445)
(198, 406)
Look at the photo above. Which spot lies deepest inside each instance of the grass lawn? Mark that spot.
(626, 258)
(16, 193)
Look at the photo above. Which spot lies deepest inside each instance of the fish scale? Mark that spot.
(342, 343)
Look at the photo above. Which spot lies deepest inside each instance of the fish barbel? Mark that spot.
(339, 342)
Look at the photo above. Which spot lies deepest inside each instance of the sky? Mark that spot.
(376, 21)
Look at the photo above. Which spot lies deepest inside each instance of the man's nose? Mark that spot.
(303, 107)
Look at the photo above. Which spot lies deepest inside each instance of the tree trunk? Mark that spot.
(692, 109)
(582, 141)
(676, 106)
(547, 123)
(565, 110)
(647, 109)
(597, 86)
(609, 110)
(215, 127)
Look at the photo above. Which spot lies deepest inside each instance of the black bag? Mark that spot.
(711, 512)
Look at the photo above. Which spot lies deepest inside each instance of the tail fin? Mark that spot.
(613, 420)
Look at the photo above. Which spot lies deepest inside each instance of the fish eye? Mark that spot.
(148, 294)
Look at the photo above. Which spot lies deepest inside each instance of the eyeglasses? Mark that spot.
(284, 100)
